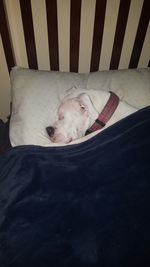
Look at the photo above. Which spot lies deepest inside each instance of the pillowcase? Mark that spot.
(37, 94)
(131, 85)
(35, 98)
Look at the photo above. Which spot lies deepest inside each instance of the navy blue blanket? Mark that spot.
(80, 205)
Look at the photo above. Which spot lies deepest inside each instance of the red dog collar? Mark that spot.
(106, 113)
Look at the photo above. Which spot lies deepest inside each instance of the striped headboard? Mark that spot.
(76, 35)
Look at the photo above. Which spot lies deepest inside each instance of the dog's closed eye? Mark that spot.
(82, 107)
(60, 116)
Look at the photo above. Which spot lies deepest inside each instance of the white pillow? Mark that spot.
(35, 97)
(132, 85)
(37, 94)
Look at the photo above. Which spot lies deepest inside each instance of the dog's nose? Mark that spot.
(50, 130)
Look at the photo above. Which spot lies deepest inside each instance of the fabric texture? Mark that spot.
(35, 99)
(105, 114)
(4, 136)
(81, 205)
(132, 85)
(37, 94)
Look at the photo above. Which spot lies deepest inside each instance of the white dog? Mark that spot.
(78, 111)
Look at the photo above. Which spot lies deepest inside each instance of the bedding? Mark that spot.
(4, 136)
(35, 98)
(79, 205)
(37, 94)
(132, 86)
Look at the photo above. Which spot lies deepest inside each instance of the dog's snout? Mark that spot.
(50, 130)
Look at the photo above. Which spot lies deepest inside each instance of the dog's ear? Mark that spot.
(73, 92)
(85, 102)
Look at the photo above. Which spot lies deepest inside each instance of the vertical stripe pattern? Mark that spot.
(75, 15)
(52, 25)
(120, 32)
(41, 34)
(130, 32)
(140, 36)
(63, 13)
(144, 60)
(25, 6)
(76, 35)
(17, 33)
(86, 33)
(6, 38)
(111, 14)
(98, 34)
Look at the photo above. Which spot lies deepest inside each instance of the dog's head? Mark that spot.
(74, 116)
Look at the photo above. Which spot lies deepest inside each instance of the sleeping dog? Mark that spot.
(81, 112)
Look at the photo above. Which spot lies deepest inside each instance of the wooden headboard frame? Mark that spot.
(6, 38)
(75, 23)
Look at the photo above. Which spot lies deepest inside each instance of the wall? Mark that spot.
(4, 85)
(74, 35)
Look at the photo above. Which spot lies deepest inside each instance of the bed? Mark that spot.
(85, 203)
(81, 204)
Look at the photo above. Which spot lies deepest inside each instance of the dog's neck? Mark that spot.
(101, 101)
(106, 113)
(99, 104)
